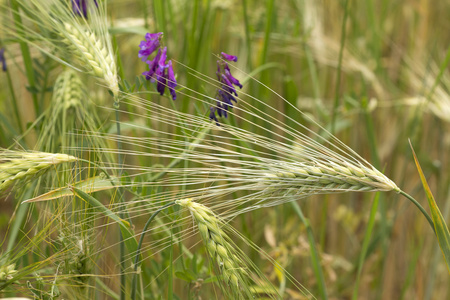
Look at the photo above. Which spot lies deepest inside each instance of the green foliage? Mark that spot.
(440, 226)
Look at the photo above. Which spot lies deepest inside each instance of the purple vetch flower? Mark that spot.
(171, 81)
(159, 70)
(161, 67)
(225, 93)
(151, 43)
(3, 59)
(229, 57)
(212, 115)
(228, 85)
(230, 77)
(153, 65)
(79, 7)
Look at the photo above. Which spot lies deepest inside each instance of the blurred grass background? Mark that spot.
(373, 72)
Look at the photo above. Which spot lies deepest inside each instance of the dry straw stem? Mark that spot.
(218, 245)
(16, 165)
(64, 36)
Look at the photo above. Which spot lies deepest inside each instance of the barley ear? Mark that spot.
(328, 176)
(17, 165)
(7, 272)
(219, 248)
(68, 91)
(89, 49)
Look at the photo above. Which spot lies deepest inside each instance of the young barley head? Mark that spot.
(17, 165)
(90, 49)
(219, 248)
(7, 272)
(80, 43)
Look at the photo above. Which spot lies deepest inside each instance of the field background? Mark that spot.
(373, 72)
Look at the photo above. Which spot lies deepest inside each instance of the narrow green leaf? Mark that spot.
(170, 283)
(90, 185)
(186, 276)
(315, 255)
(127, 233)
(440, 226)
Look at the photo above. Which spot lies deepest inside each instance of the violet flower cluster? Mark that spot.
(227, 92)
(159, 70)
(2, 59)
(79, 7)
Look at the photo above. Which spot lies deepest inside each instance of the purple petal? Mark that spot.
(228, 84)
(161, 64)
(79, 7)
(3, 59)
(229, 57)
(147, 74)
(171, 81)
(151, 43)
(161, 73)
(219, 70)
(212, 115)
(161, 85)
(152, 64)
(231, 78)
(162, 58)
(222, 109)
(153, 36)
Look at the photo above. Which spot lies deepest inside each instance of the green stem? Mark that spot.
(441, 73)
(14, 102)
(26, 55)
(378, 203)
(247, 34)
(121, 212)
(269, 12)
(420, 207)
(315, 257)
(141, 240)
(338, 80)
(145, 11)
(365, 245)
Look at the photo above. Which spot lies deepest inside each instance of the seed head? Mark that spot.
(16, 165)
(218, 245)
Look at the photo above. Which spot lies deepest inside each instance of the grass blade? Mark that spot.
(315, 256)
(90, 185)
(440, 226)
